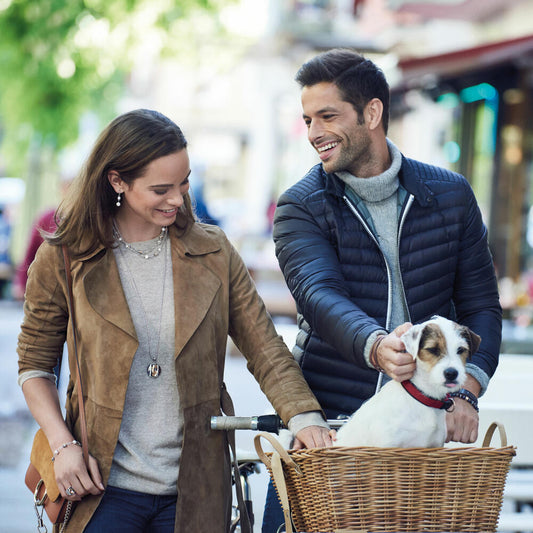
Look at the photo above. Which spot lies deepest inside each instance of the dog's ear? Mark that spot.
(472, 339)
(411, 339)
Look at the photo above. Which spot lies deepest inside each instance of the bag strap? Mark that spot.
(81, 402)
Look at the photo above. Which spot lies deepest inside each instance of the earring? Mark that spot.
(118, 200)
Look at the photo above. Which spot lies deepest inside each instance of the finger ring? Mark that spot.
(70, 491)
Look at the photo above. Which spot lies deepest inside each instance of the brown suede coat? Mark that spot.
(214, 297)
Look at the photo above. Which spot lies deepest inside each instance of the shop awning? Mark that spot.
(415, 70)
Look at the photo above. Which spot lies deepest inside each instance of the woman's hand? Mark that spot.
(312, 437)
(72, 475)
(69, 466)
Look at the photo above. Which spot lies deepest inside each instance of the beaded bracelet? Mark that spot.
(56, 452)
(373, 357)
(467, 396)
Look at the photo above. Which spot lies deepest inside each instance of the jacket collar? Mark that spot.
(411, 178)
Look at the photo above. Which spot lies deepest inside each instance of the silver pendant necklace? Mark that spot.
(153, 369)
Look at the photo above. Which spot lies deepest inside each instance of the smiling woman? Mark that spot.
(156, 294)
(152, 200)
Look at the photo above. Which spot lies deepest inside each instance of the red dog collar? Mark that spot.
(417, 394)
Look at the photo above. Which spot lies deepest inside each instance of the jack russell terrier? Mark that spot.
(412, 413)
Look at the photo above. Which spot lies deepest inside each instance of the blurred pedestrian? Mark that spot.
(156, 295)
(45, 222)
(370, 241)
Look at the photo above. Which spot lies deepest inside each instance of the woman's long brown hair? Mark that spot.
(127, 145)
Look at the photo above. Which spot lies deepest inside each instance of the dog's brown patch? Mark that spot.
(473, 340)
(432, 345)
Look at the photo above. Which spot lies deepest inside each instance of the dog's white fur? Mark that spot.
(392, 417)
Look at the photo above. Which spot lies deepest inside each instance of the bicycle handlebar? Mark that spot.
(270, 423)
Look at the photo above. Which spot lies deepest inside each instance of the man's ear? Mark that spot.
(373, 113)
(411, 339)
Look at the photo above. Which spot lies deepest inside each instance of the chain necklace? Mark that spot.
(147, 254)
(153, 369)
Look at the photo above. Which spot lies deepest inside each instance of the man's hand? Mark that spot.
(392, 357)
(462, 423)
(312, 437)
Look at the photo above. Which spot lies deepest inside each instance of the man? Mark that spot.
(370, 242)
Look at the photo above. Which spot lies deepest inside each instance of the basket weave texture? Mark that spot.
(397, 489)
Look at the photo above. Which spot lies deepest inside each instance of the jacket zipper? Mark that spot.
(408, 205)
(353, 209)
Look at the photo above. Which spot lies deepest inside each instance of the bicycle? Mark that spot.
(247, 464)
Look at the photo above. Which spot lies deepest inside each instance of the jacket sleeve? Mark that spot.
(43, 330)
(313, 274)
(268, 358)
(476, 296)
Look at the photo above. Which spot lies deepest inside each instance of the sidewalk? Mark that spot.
(17, 428)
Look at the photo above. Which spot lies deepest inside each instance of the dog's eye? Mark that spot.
(433, 350)
(461, 350)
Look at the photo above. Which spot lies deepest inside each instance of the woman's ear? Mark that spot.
(116, 181)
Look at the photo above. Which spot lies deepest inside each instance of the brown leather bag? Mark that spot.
(40, 476)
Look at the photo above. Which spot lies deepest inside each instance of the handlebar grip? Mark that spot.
(233, 422)
(270, 423)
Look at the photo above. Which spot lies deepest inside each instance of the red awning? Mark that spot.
(466, 60)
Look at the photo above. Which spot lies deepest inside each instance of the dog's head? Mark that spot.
(441, 348)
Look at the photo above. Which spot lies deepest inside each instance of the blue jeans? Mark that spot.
(273, 513)
(126, 511)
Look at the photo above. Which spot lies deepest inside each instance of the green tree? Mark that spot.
(60, 58)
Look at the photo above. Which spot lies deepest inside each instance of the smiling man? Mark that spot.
(371, 242)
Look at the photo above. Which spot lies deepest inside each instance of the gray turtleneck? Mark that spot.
(380, 196)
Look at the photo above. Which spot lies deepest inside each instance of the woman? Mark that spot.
(155, 295)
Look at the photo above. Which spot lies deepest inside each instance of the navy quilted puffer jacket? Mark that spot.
(337, 274)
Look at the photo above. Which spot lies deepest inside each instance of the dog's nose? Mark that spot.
(451, 374)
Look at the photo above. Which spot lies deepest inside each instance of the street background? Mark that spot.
(461, 77)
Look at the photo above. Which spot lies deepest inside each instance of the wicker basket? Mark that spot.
(391, 489)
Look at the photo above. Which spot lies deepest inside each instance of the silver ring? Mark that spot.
(70, 491)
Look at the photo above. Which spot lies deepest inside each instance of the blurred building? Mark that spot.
(460, 73)
(461, 79)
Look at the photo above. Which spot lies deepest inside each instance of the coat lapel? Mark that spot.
(195, 285)
(103, 289)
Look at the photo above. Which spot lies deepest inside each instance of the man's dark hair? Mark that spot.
(358, 79)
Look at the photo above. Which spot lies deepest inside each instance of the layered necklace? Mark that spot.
(147, 254)
(153, 369)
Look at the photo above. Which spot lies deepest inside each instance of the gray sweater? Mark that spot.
(149, 445)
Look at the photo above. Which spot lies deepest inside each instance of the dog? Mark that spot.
(394, 417)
